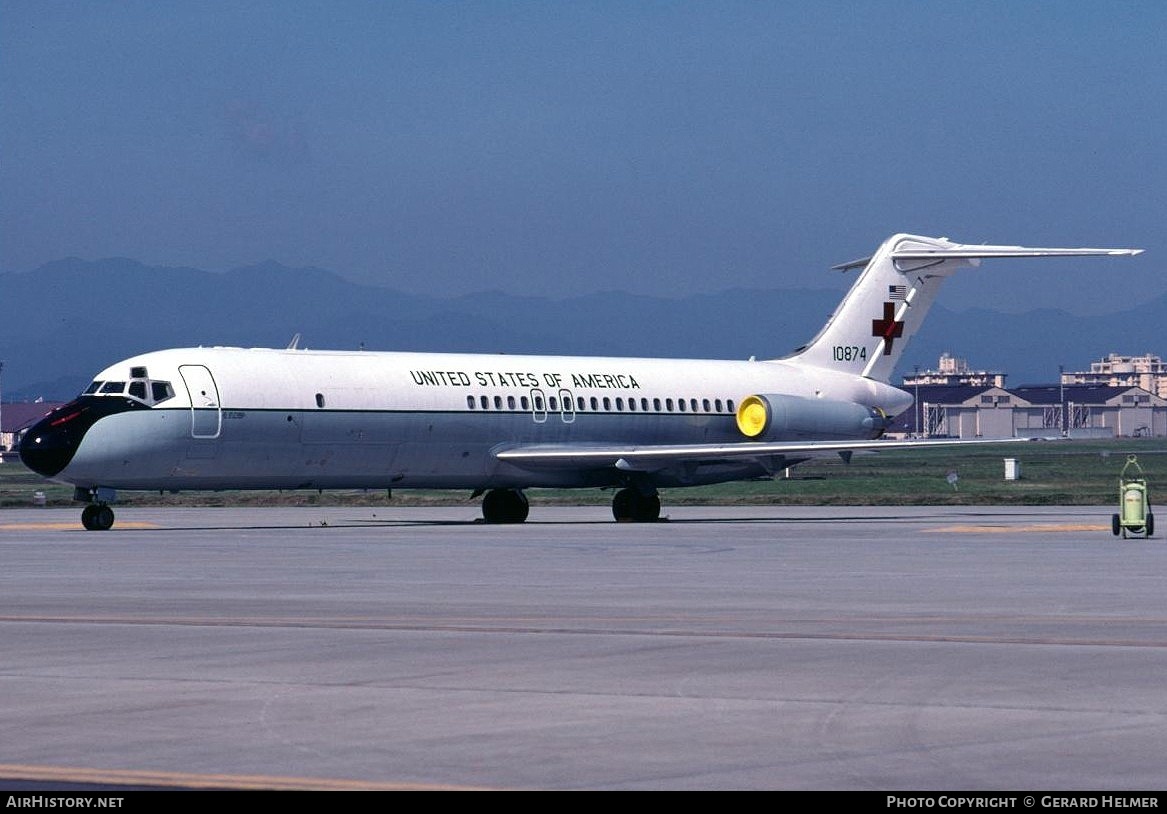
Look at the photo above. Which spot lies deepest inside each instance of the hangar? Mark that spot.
(1079, 411)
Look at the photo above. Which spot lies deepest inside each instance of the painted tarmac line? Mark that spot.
(188, 780)
(1027, 528)
(70, 526)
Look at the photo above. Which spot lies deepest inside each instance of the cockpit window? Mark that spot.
(151, 392)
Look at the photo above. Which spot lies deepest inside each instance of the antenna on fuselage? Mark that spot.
(295, 343)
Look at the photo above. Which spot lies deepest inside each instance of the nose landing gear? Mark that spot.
(97, 517)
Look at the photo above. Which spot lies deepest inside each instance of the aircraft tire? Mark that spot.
(104, 518)
(505, 506)
(633, 506)
(1115, 526)
(97, 517)
(648, 508)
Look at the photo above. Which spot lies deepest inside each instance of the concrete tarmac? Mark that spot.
(751, 647)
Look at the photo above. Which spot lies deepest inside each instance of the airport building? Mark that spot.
(1118, 396)
(953, 372)
(1147, 371)
(1079, 411)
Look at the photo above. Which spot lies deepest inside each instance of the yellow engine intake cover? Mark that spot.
(753, 416)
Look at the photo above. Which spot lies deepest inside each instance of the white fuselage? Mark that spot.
(279, 419)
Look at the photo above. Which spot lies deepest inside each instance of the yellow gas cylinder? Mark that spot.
(1134, 509)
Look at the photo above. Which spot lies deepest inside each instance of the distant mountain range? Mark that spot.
(66, 320)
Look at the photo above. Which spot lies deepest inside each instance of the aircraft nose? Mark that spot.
(49, 445)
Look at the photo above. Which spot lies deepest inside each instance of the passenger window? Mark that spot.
(510, 402)
(644, 405)
(484, 402)
(619, 404)
(319, 399)
(595, 404)
(681, 405)
(656, 405)
(693, 404)
(470, 402)
(632, 405)
(551, 403)
(524, 402)
(717, 403)
(669, 405)
(705, 404)
(498, 402)
(607, 403)
(539, 403)
(729, 405)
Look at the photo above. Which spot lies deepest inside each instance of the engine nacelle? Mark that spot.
(777, 417)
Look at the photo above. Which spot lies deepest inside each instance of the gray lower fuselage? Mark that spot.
(285, 449)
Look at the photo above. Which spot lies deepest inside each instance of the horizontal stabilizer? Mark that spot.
(959, 252)
(966, 252)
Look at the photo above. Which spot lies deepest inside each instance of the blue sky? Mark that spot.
(559, 148)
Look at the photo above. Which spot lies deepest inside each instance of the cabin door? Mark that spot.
(206, 414)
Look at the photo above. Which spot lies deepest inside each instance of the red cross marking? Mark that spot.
(888, 328)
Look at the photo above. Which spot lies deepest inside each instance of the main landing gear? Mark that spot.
(505, 506)
(634, 506)
(629, 505)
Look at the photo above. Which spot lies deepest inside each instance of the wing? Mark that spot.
(650, 458)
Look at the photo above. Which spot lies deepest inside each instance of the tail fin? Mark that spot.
(885, 307)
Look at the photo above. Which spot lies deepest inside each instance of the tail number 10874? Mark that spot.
(849, 353)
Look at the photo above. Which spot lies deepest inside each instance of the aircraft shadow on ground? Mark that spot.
(600, 521)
